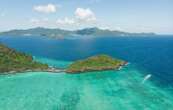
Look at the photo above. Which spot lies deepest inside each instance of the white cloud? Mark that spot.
(81, 17)
(33, 20)
(45, 19)
(85, 15)
(49, 8)
(65, 21)
(39, 21)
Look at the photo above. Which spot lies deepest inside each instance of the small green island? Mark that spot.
(12, 61)
(96, 63)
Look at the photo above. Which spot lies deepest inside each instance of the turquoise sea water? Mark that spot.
(106, 90)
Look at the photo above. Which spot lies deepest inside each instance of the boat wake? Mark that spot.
(147, 77)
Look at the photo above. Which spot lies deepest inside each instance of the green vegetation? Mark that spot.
(95, 63)
(13, 61)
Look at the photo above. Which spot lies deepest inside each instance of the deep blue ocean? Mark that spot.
(104, 90)
(151, 54)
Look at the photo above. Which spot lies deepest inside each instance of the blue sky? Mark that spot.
(126, 15)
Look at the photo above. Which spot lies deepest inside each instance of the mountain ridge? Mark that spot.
(61, 33)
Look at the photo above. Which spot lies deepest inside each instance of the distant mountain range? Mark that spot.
(60, 33)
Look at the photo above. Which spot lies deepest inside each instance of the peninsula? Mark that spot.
(95, 63)
(12, 61)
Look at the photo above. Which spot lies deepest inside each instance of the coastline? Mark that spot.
(52, 70)
(59, 70)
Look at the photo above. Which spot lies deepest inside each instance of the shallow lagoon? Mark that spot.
(107, 90)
